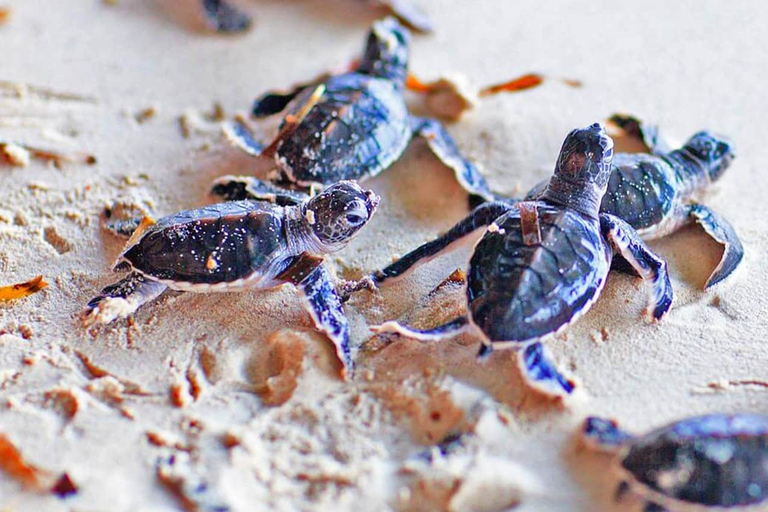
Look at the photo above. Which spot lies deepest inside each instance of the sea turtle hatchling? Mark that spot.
(348, 126)
(541, 264)
(655, 193)
(243, 245)
(703, 463)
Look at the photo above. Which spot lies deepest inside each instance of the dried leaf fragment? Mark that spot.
(13, 463)
(21, 290)
(449, 97)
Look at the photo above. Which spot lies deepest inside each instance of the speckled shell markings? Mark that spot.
(716, 460)
(642, 192)
(358, 128)
(519, 292)
(221, 243)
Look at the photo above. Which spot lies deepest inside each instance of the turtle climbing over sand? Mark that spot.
(348, 126)
(713, 462)
(656, 193)
(541, 264)
(243, 245)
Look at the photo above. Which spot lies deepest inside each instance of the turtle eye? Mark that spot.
(355, 219)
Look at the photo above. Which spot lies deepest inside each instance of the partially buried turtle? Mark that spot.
(243, 245)
(542, 264)
(713, 462)
(348, 126)
(656, 193)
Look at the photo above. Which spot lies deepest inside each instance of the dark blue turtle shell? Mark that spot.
(716, 460)
(518, 292)
(358, 128)
(641, 190)
(220, 243)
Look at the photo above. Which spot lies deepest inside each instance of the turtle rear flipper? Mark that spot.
(121, 299)
(323, 303)
(238, 188)
(541, 372)
(443, 146)
(723, 233)
(627, 244)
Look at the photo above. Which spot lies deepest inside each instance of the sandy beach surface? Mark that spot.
(206, 402)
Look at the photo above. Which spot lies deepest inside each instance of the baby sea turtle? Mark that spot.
(348, 126)
(243, 245)
(714, 462)
(542, 264)
(655, 193)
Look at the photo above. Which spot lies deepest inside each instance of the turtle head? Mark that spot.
(715, 151)
(386, 52)
(582, 170)
(338, 213)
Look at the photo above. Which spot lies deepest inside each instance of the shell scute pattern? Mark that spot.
(520, 292)
(640, 191)
(215, 244)
(352, 132)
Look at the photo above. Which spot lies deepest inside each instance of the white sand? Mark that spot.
(184, 372)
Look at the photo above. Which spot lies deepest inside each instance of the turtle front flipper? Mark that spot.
(541, 371)
(239, 188)
(121, 299)
(443, 146)
(723, 233)
(481, 216)
(323, 303)
(647, 133)
(626, 243)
